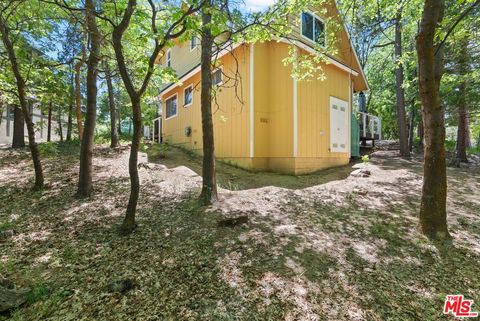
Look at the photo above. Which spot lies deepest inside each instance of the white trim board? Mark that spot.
(223, 52)
(353, 48)
(311, 50)
(295, 115)
(251, 100)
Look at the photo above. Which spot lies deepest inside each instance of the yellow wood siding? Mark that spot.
(314, 111)
(273, 113)
(273, 106)
(183, 59)
(230, 111)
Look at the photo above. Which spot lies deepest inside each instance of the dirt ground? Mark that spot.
(347, 249)
(234, 178)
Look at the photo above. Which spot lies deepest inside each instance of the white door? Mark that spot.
(338, 125)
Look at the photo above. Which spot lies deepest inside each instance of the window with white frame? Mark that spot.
(168, 59)
(313, 28)
(193, 42)
(188, 96)
(217, 77)
(171, 107)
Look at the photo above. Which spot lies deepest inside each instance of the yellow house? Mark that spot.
(266, 119)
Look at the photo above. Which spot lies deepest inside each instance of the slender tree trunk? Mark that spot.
(420, 131)
(113, 110)
(433, 214)
(401, 114)
(70, 111)
(78, 98)
(60, 126)
(462, 103)
(85, 185)
(24, 104)
(128, 224)
(462, 125)
(119, 117)
(69, 123)
(49, 123)
(412, 125)
(1, 109)
(209, 185)
(18, 140)
(468, 139)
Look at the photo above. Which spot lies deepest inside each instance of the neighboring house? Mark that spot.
(268, 120)
(39, 119)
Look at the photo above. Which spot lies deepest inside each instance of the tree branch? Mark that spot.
(460, 18)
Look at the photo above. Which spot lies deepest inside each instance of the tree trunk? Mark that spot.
(420, 131)
(401, 114)
(113, 110)
(18, 140)
(78, 98)
(70, 111)
(119, 117)
(433, 214)
(49, 123)
(23, 103)
(85, 186)
(462, 125)
(128, 224)
(468, 139)
(209, 184)
(60, 126)
(135, 96)
(462, 103)
(412, 125)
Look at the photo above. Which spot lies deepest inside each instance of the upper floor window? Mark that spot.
(193, 42)
(168, 59)
(188, 96)
(313, 28)
(171, 107)
(217, 77)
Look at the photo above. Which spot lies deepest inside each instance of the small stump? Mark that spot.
(12, 298)
(120, 286)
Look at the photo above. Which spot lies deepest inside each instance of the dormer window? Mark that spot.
(193, 42)
(168, 59)
(313, 28)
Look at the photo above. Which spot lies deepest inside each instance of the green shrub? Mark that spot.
(48, 149)
(473, 150)
(39, 292)
(365, 159)
(450, 145)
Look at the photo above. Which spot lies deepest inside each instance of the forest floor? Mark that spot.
(344, 250)
(234, 178)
